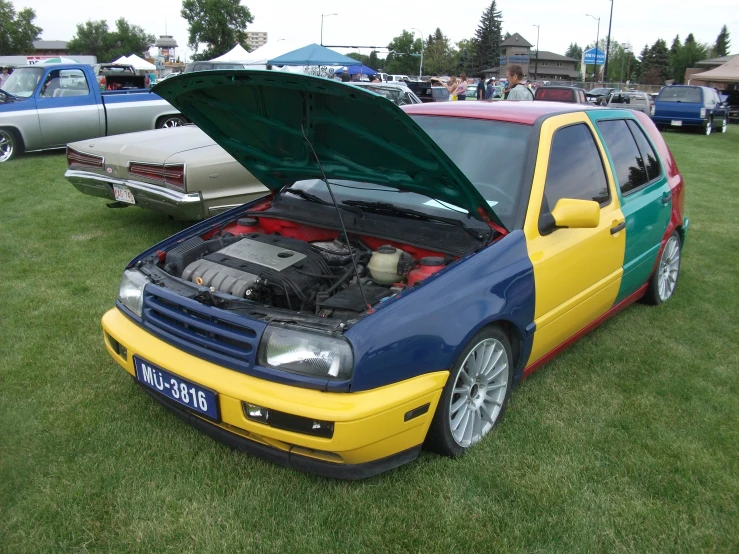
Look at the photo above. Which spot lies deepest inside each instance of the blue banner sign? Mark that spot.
(513, 59)
(591, 59)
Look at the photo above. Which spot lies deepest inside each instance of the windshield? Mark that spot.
(600, 91)
(680, 94)
(23, 81)
(491, 154)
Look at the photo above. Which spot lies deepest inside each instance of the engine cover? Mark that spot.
(287, 267)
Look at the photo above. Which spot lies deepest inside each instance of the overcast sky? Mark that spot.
(376, 22)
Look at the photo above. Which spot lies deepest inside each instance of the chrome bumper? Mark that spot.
(152, 197)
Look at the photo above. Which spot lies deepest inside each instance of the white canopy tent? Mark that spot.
(139, 63)
(122, 60)
(237, 55)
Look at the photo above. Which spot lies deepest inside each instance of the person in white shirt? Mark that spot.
(517, 90)
(4, 76)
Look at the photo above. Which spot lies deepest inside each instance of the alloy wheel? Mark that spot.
(7, 145)
(724, 124)
(479, 391)
(709, 127)
(172, 122)
(669, 265)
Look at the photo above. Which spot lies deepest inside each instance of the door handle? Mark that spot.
(618, 227)
(666, 197)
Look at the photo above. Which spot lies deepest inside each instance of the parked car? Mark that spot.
(339, 330)
(732, 101)
(560, 94)
(46, 107)
(640, 101)
(690, 106)
(396, 78)
(427, 91)
(207, 66)
(180, 172)
(395, 92)
(471, 93)
(599, 95)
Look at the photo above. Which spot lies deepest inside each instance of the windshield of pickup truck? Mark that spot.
(23, 81)
(680, 94)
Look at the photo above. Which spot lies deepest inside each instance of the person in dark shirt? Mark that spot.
(481, 87)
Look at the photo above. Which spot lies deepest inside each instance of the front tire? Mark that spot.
(171, 121)
(663, 282)
(475, 395)
(11, 145)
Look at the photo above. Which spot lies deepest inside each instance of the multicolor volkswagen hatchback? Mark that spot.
(407, 269)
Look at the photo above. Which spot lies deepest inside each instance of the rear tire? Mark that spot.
(171, 121)
(663, 282)
(11, 145)
(708, 127)
(475, 395)
(724, 124)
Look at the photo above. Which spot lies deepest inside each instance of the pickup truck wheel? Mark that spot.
(724, 124)
(708, 127)
(10, 145)
(171, 121)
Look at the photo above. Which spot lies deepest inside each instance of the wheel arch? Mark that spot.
(162, 117)
(515, 337)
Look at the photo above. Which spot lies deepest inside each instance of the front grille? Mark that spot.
(203, 331)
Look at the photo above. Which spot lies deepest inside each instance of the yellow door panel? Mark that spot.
(577, 271)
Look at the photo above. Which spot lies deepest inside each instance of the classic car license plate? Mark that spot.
(123, 194)
(676, 123)
(194, 397)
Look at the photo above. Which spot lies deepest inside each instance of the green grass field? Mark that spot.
(628, 442)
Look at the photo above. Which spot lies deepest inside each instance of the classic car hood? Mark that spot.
(149, 146)
(256, 116)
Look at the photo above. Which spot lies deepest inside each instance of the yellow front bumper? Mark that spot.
(370, 430)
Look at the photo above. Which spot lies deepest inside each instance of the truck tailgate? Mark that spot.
(677, 110)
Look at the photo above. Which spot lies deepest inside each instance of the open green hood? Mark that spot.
(258, 117)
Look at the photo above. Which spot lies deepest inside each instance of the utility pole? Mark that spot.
(536, 66)
(597, 38)
(322, 16)
(626, 51)
(608, 44)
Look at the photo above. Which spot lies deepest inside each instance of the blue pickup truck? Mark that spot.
(690, 106)
(46, 107)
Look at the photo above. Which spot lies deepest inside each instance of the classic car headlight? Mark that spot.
(306, 353)
(131, 290)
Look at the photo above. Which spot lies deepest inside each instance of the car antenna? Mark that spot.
(370, 310)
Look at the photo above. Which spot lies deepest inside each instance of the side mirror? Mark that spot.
(572, 214)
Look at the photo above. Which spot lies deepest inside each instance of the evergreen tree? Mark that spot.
(656, 63)
(687, 56)
(675, 52)
(486, 42)
(723, 43)
(574, 51)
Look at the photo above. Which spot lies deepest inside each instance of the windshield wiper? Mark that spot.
(313, 198)
(413, 214)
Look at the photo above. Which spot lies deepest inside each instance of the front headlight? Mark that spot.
(131, 290)
(306, 353)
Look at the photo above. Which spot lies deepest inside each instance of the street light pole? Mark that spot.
(322, 16)
(597, 38)
(608, 43)
(420, 68)
(536, 65)
(626, 52)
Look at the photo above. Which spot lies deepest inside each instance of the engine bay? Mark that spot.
(278, 264)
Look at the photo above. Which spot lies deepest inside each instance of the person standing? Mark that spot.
(489, 90)
(452, 88)
(462, 87)
(481, 88)
(516, 89)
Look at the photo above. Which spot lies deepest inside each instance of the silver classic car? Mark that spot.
(178, 171)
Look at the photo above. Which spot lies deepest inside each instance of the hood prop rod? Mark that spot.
(370, 310)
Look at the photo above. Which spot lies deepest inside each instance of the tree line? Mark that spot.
(656, 64)
(219, 24)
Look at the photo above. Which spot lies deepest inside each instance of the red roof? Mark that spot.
(514, 112)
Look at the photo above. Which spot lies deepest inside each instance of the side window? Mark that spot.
(653, 167)
(575, 168)
(630, 170)
(52, 84)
